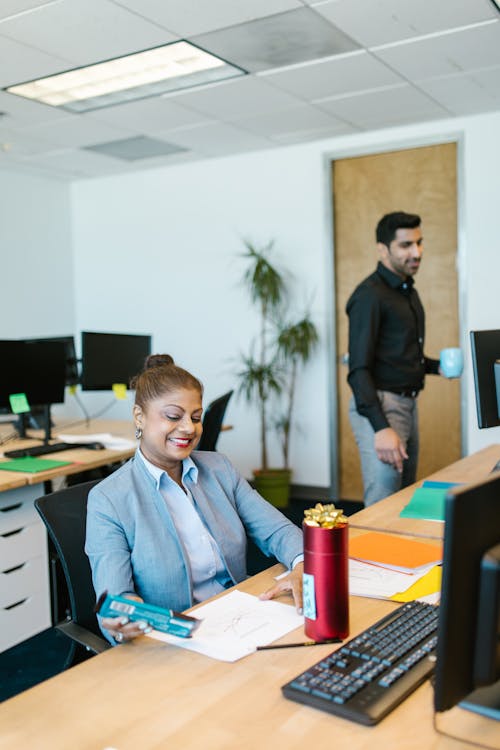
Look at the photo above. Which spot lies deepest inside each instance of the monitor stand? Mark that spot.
(47, 423)
(484, 701)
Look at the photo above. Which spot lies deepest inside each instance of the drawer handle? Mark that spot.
(12, 533)
(10, 507)
(11, 570)
(16, 604)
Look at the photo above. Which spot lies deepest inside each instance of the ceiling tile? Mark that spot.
(12, 7)
(76, 163)
(478, 47)
(373, 22)
(468, 93)
(80, 164)
(190, 17)
(278, 40)
(303, 119)
(355, 71)
(24, 144)
(311, 76)
(390, 106)
(217, 139)
(237, 99)
(19, 62)
(21, 112)
(85, 31)
(148, 115)
(76, 131)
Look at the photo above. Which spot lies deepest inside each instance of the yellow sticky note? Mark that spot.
(72, 390)
(428, 584)
(120, 390)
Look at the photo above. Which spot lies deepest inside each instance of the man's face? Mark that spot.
(404, 254)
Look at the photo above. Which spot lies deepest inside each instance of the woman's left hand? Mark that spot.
(292, 582)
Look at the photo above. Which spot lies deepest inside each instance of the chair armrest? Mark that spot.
(83, 636)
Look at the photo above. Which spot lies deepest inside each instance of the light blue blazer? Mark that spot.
(133, 546)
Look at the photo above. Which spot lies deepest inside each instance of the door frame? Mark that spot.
(329, 158)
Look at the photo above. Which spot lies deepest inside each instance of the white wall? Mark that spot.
(158, 252)
(37, 264)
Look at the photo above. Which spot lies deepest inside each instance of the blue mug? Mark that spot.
(452, 362)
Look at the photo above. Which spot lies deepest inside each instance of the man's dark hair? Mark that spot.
(390, 223)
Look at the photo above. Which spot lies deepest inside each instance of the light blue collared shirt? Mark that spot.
(208, 572)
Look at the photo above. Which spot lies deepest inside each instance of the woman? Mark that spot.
(169, 528)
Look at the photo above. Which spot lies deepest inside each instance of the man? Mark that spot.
(387, 365)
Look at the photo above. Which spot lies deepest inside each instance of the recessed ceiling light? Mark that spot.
(143, 74)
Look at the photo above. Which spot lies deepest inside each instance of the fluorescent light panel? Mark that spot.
(143, 74)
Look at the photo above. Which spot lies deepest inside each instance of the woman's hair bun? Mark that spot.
(158, 360)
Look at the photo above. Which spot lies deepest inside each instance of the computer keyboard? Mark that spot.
(371, 674)
(41, 450)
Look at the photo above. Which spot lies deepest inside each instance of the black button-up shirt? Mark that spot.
(386, 341)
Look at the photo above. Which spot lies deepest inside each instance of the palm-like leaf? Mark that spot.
(281, 345)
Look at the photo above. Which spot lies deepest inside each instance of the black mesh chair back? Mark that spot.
(64, 514)
(212, 422)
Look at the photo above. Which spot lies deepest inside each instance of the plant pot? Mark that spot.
(273, 485)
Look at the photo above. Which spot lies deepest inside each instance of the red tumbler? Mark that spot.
(326, 582)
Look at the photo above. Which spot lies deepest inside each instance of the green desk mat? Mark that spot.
(31, 464)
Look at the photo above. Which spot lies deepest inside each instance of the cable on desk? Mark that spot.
(88, 417)
(10, 436)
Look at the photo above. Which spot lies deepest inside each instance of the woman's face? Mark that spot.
(171, 426)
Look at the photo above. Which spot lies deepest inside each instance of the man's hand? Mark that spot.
(390, 448)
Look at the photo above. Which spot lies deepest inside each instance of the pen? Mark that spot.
(304, 643)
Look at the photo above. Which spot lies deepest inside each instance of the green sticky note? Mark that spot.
(120, 390)
(427, 503)
(31, 464)
(19, 403)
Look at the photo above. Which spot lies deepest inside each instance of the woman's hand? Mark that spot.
(292, 582)
(122, 629)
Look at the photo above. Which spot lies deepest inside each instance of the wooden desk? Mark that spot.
(152, 696)
(384, 515)
(82, 459)
(24, 563)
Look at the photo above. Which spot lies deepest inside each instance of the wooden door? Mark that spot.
(421, 181)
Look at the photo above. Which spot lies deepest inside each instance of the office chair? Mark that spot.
(64, 514)
(212, 422)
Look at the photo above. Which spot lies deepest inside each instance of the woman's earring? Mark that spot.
(138, 433)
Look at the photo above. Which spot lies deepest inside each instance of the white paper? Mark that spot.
(112, 442)
(234, 625)
(380, 583)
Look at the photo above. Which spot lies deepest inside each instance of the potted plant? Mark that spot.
(269, 371)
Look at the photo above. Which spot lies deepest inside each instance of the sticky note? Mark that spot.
(120, 390)
(19, 403)
(72, 390)
(309, 596)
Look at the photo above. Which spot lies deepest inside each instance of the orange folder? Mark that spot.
(396, 552)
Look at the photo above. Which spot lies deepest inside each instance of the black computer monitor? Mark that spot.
(485, 349)
(111, 358)
(35, 368)
(72, 376)
(468, 650)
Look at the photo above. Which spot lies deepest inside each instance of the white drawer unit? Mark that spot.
(24, 576)
(22, 620)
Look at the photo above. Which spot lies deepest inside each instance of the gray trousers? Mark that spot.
(380, 479)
